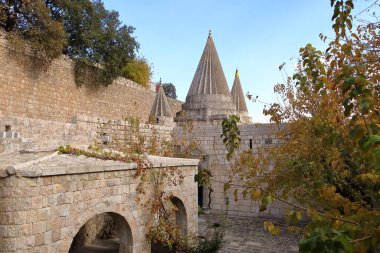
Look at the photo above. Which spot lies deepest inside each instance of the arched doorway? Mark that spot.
(180, 215)
(104, 233)
(180, 222)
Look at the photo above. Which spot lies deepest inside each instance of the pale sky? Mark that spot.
(255, 36)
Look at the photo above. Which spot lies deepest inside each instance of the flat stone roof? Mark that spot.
(41, 164)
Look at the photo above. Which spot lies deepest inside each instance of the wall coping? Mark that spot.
(77, 118)
(56, 164)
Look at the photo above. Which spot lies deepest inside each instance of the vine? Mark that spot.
(152, 182)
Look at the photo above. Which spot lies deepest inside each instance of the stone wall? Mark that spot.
(125, 132)
(38, 135)
(43, 212)
(30, 134)
(26, 91)
(213, 153)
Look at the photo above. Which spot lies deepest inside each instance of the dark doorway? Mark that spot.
(200, 196)
(104, 233)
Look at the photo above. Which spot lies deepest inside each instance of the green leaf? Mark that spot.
(307, 245)
(245, 191)
(374, 139)
(264, 204)
(226, 186)
(347, 84)
(299, 215)
(235, 195)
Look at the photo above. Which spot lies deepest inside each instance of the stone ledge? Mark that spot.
(55, 164)
(159, 162)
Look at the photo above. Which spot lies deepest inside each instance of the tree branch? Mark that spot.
(292, 204)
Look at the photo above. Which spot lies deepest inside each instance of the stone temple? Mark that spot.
(51, 202)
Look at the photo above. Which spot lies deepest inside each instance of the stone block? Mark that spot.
(58, 188)
(39, 239)
(64, 210)
(30, 241)
(48, 237)
(21, 244)
(8, 244)
(56, 235)
(44, 214)
(39, 227)
(65, 198)
(47, 180)
(31, 215)
(37, 202)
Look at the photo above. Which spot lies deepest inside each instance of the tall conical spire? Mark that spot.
(239, 100)
(209, 77)
(208, 98)
(238, 95)
(160, 106)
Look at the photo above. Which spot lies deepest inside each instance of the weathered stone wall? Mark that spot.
(42, 213)
(125, 132)
(28, 92)
(37, 135)
(213, 152)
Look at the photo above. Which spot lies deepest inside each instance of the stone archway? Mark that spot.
(180, 215)
(181, 222)
(106, 232)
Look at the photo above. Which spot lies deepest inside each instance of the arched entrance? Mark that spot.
(180, 223)
(104, 233)
(180, 215)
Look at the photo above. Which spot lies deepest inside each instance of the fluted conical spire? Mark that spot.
(160, 106)
(238, 95)
(208, 98)
(209, 77)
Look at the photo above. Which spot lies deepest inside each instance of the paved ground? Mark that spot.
(242, 235)
(101, 246)
(247, 235)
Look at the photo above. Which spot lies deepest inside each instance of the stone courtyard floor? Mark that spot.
(242, 235)
(247, 235)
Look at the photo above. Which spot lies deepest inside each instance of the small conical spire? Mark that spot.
(209, 33)
(209, 77)
(160, 106)
(238, 95)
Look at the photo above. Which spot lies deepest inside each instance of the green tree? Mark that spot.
(329, 165)
(99, 43)
(170, 90)
(138, 70)
(29, 27)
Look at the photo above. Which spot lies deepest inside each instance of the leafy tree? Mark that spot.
(138, 70)
(328, 167)
(97, 40)
(29, 26)
(170, 90)
(83, 29)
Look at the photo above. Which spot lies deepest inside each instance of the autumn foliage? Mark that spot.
(328, 168)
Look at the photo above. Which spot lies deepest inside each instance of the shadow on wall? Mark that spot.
(104, 233)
